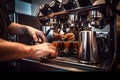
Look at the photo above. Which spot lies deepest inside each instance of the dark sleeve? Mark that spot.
(4, 20)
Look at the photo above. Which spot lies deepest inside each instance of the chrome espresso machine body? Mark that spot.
(94, 27)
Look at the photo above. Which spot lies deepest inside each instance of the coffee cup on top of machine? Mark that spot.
(69, 4)
(45, 9)
(55, 6)
(84, 3)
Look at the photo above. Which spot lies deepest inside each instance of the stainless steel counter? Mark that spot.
(59, 64)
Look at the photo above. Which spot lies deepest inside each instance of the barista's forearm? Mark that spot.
(12, 50)
(16, 28)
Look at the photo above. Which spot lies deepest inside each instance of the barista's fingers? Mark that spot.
(70, 35)
(52, 46)
(41, 35)
(71, 38)
(34, 37)
(63, 36)
(52, 50)
(52, 53)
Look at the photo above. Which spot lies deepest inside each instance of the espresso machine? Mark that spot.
(94, 27)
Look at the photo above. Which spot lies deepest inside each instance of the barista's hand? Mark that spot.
(35, 33)
(68, 36)
(44, 50)
(16, 28)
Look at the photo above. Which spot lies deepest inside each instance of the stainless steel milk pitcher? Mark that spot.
(87, 47)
